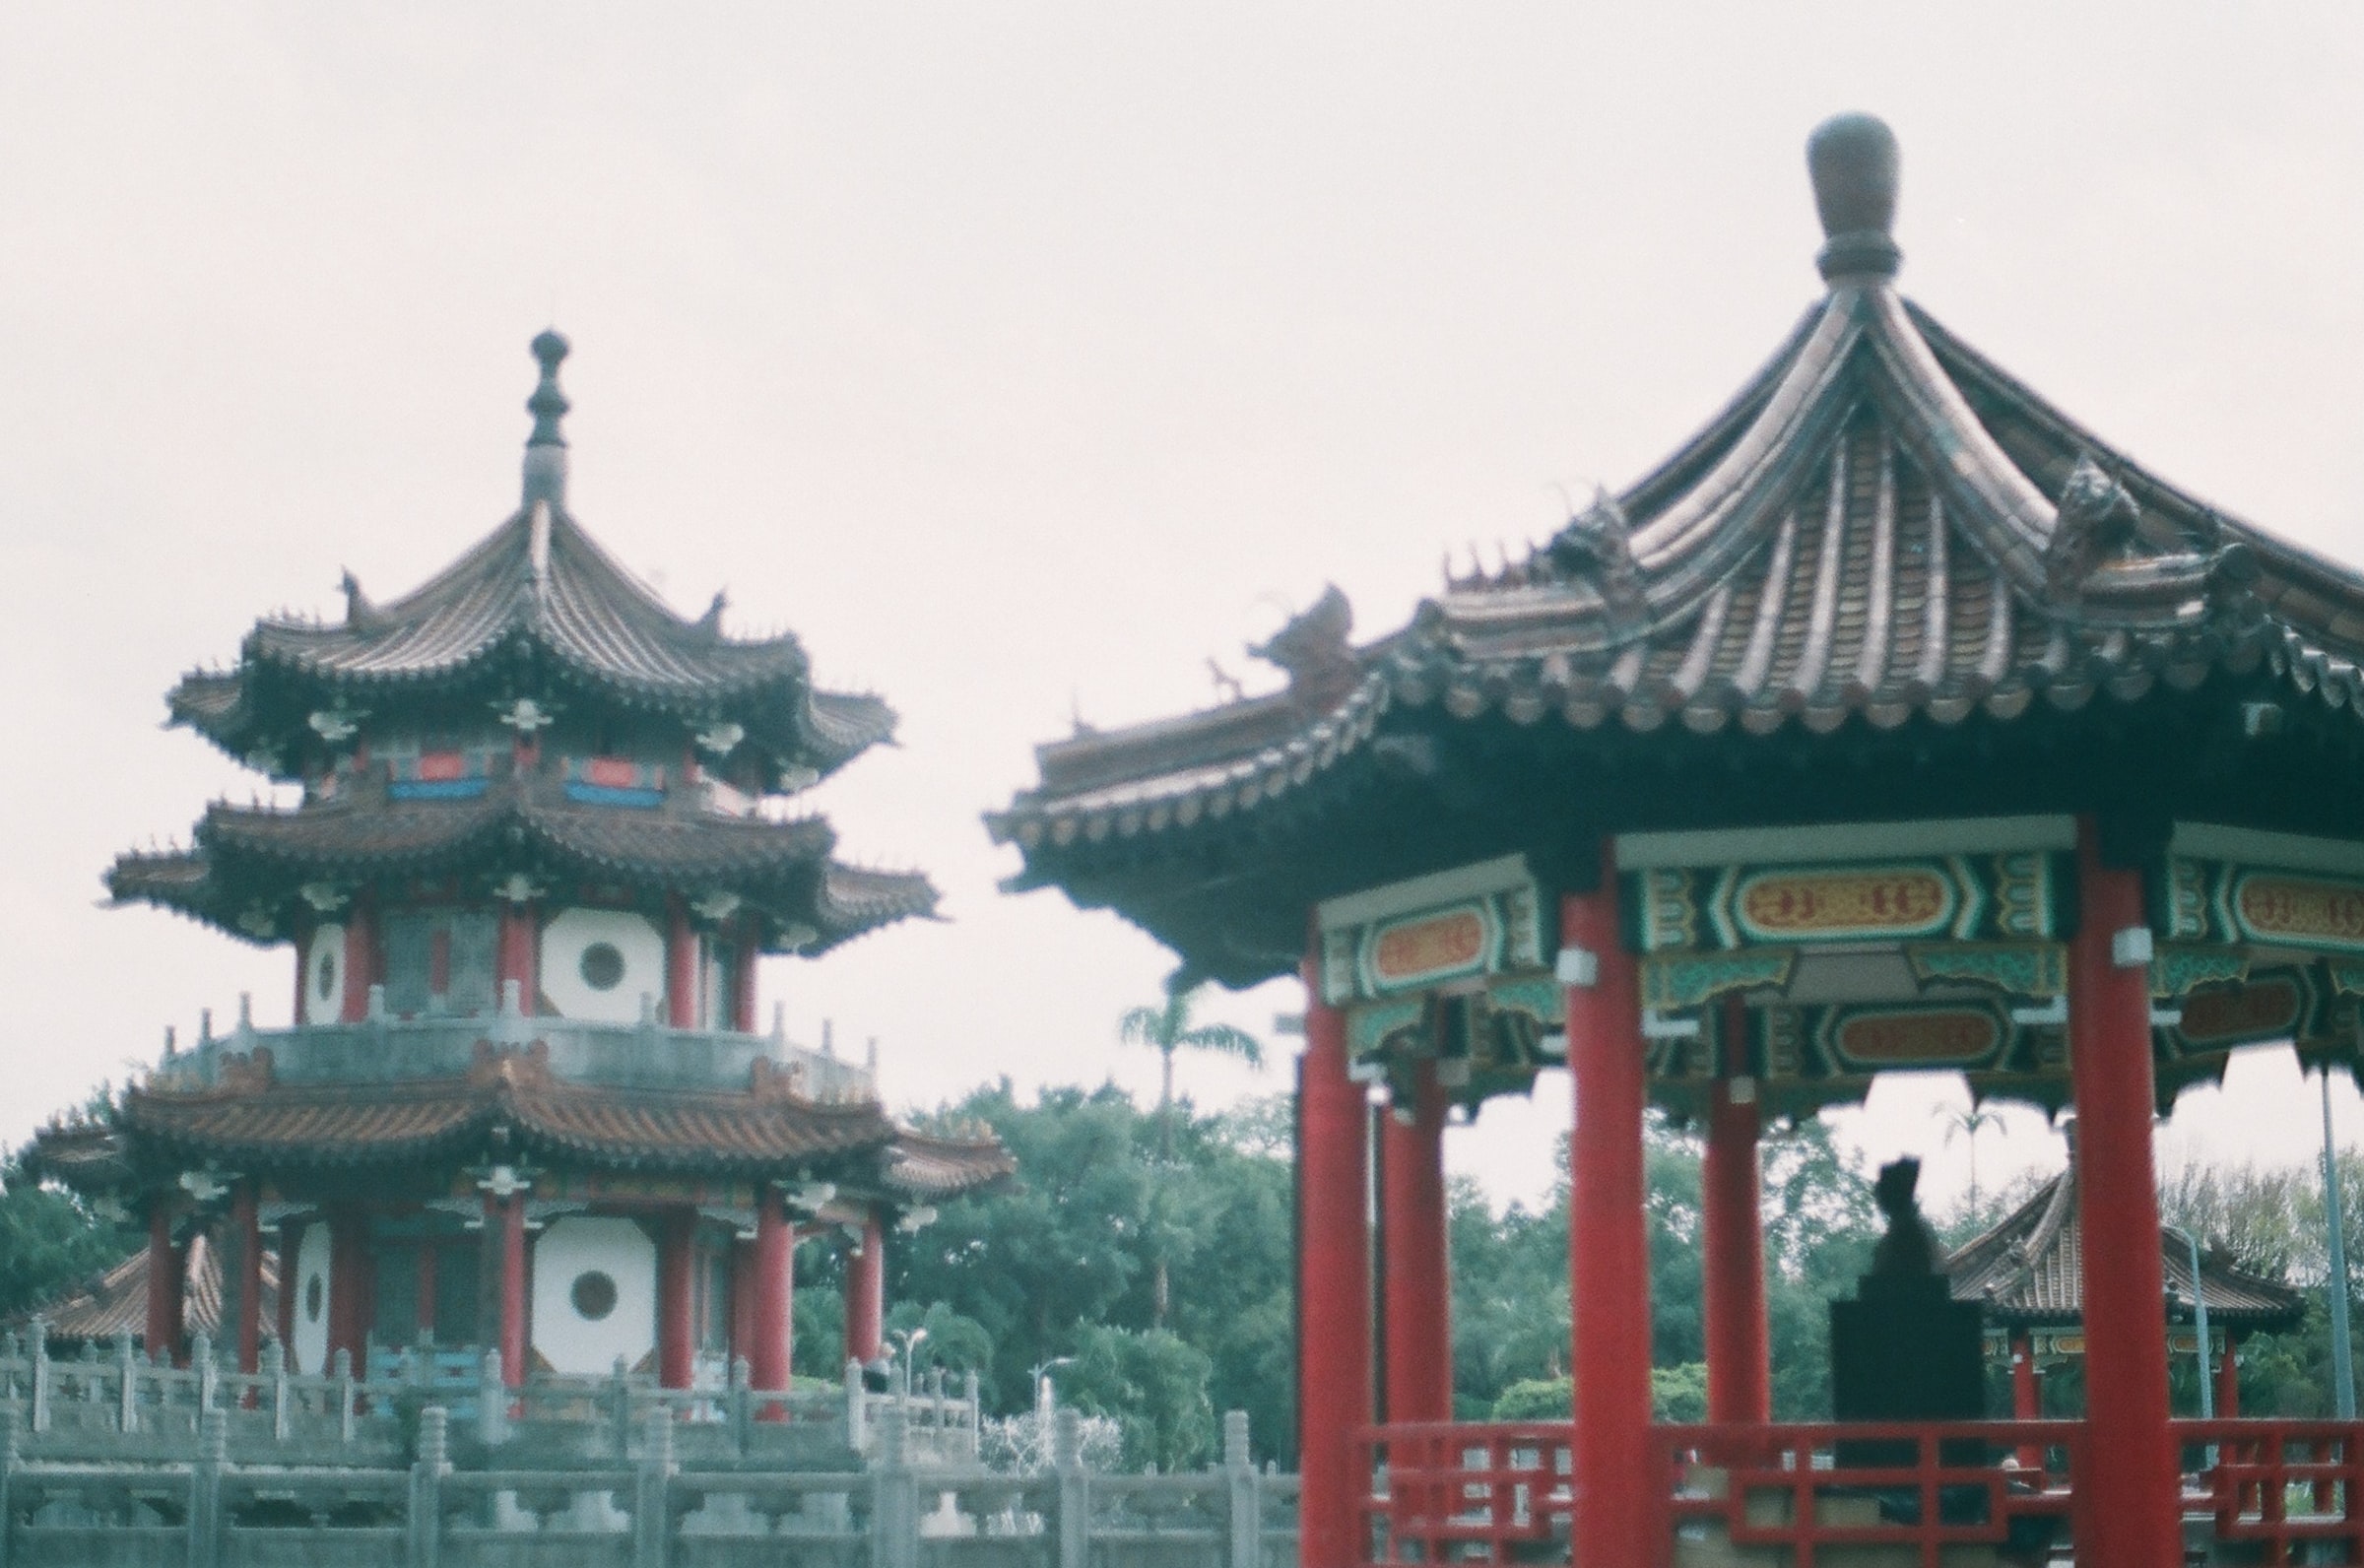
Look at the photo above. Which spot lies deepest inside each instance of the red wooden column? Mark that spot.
(771, 1312)
(2130, 1509)
(1417, 1269)
(163, 1336)
(2027, 1399)
(507, 1214)
(247, 1232)
(743, 1301)
(1617, 1514)
(361, 958)
(519, 954)
(677, 1299)
(290, 1241)
(1333, 1291)
(2228, 1379)
(349, 1291)
(866, 1296)
(1732, 1262)
(680, 965)
(743, 985)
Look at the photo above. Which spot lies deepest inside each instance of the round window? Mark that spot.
(602, 967)
(316, 1296)
(326, 984)
(593, 1295)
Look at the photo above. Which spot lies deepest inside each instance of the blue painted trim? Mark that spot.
(609, 795)
(438, 789)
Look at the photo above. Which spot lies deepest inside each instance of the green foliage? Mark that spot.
(1154, 1385)
(1536, 1399)
(1678, 1394)
(51, 1243)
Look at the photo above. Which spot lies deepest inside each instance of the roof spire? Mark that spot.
(545, 449)
(1852, 159)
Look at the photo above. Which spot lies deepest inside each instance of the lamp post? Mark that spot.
(1045, 1396)
(908, 1339)
(2343, 1375)
(2199, 1324)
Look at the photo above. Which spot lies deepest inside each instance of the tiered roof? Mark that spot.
(1884, 538)
(2028, 1272)
(116, 1303)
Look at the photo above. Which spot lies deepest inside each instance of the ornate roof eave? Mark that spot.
(537, 592)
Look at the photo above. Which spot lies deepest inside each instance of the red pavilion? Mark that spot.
(1895, 722)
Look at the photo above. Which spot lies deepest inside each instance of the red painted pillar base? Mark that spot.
(161, 1340)
(1334, 1292)
(743, 987)
(2130, 1503)
(770, 1310)
(1620, 1506)
(866, 1296)
(677, 1299)
(1732, 1262)
(246, 1240)
(1419, 1257)
(519, 954)
(2228, 1379)
(680, 965)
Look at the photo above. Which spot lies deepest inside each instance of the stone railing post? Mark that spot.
(341, 1369)
(619, 1408)
(427, 1487)
(894, 1496)
(491, 1402)
(741, 1409)
(40, 1374)
(208, 1370)
(1247, 1502)
(652, 1488)
(1074, 1490)
(972, 1417)
(856, 1436)
(275, 1368)
(205, 1491)
(8, 1465)
(127, 1384)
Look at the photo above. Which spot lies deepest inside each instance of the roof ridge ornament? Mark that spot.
(546, 447)
(2096, 517)
(1852, 160)
(1598, 543)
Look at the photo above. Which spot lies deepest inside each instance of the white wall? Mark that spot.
(311, 1310)
(581, 1243)
(573, 935)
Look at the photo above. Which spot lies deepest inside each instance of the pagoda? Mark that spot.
(524, 1105)
(1894, 722)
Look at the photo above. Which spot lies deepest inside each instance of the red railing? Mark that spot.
(2273, 1485)
(2270, 1491)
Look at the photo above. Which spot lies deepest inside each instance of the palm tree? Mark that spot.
(1170, 1029)
(1969, 1123)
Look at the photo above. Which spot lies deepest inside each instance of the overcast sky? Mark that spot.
(1022, 357)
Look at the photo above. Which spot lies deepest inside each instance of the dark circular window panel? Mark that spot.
(328, 973)
(593, 1294)
(602, 966)
(316, 1296)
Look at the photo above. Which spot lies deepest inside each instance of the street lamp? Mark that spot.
(908, 1339)
(2200, 1323)
(1045, 1396)
(2344, 1376)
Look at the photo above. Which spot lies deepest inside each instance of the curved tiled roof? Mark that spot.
(116, 1303)
(537, 588)
(249, 862)
(2029, 1270)
(1881, 526)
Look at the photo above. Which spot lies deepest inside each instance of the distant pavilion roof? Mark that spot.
(2028, 1272)
(536, 593)
(1882, 528)
(116, 1303)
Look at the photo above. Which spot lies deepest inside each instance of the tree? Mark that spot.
(1968, 1122)
(1169, 1029)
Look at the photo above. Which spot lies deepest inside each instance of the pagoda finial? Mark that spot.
(1852, 159)
(545, 449)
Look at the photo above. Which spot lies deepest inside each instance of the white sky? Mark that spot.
(1023, 357)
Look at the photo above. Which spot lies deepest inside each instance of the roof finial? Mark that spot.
(545, 449)
(1852, 159)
